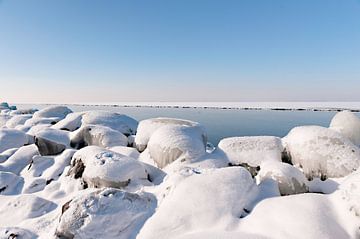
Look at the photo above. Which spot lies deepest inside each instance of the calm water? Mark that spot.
(224, 123)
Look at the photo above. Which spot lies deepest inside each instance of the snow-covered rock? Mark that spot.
(16, 233)
(290, 180)
(97, 135)
(4, 119)
(149, 126)
(321, 152)
(99, 167)
(12, 138)
(60, 162)
(17, 120)
(350, 192)
(71, 122)
(215, 198)
(51, 141)
(348, 124)
(127, 151)
(41, 121)
(122, 123)
(106, 213)
(172, 142)
(252, 150)
(7, 154)
(10, 183)
(53, 112)
(20, 159)
(23, 112)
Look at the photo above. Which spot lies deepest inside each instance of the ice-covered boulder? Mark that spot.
(60, 162)
(200, 201)
(51, 141)
(71, 122)
(106, 213)
(321, 152)
(10, 183)
(7, 154)
(149, 126)
(172, 142)
(17, 120)
(20, 159)
(16, 233)
(289, 179)
(37, 166)
(348, 124)
(25, 206)
(53, 112)
(97, 135)
(33, 185)
(120, 122)
(4, 119)
(251, 151)
(99, 167)
(23, 112)
(4, 105)
(127, 151)
(41, 121)
(12, 138)
(350, 192)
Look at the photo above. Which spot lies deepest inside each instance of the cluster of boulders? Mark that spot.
(104, 175)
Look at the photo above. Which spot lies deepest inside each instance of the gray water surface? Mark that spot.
(221, 123)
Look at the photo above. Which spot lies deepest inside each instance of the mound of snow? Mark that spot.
(290, 180)
(53, 112)
(214, 198)
(23, 112)
(122, 123)
(251, 150)
(127, 151)
(321, 152)
(52, 141)
(17, 120)
(172, 142)
(16, 209)
(10, 183)
(41, 121)
(12, 138)
(350, 191)
(106, 213)
(7, 154)
(99, 167)
(4, 119)
(20, 159)
(149, 126)
(16, 233)
(71, 122)
(60, 162)
(310, 216)
(97, 135)
(348, 124)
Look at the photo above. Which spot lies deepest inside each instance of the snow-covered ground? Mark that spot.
(99, 174)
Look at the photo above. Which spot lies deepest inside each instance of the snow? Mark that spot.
(251, 150)
(10, 183)
(12, 138)
(17, 120)
(322, 152)
(53, 112)
(149, 126)
(347, 124)
(20, 159)
(173, 142)
(97, 135)
(71, 122)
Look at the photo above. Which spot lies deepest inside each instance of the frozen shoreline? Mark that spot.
(276, 106)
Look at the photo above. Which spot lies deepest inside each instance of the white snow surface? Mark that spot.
(348, 124)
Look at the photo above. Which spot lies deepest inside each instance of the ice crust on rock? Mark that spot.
(105, 213)
(97, 135)
(173, 142)
(52, 141)
(149, 126)
(321, 152)
(99, 167)
(348, 124)
(12, 138)
(290, 180)
(252, 150)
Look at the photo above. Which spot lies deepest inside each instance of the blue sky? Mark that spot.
(185, 50)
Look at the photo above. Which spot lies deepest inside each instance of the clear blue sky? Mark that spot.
(184, 50)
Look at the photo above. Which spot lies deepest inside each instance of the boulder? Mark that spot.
(12, 138)
(347, 124)
(71, 122)
(17, 120)
(10, 183)
(51, 141)
(53, 112)
(321, 152)
(20, 159)
(16, 233)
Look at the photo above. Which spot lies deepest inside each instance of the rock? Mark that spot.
(33, 185)
(252, 150)
(149, 126)
(51, 141)
(23, 112)
(350, 192)
(127, 151)
(201, 200)
(122, 123)
(53, 112)
(10, 184)
(16, 233)
(17, 120)
(71, 122)
(99, 167)
(347, 124)
(60, 162)
(4, 119)
(20, 159)
(289, 179)
(120, 212)
(172, 142)
(12, 138)
(37, 166)
(97, 135)
(321, 152)
(7, 154)
(41, 121)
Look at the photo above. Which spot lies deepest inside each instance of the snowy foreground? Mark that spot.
(98, 174)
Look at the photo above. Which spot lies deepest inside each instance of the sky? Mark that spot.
(82, 51)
